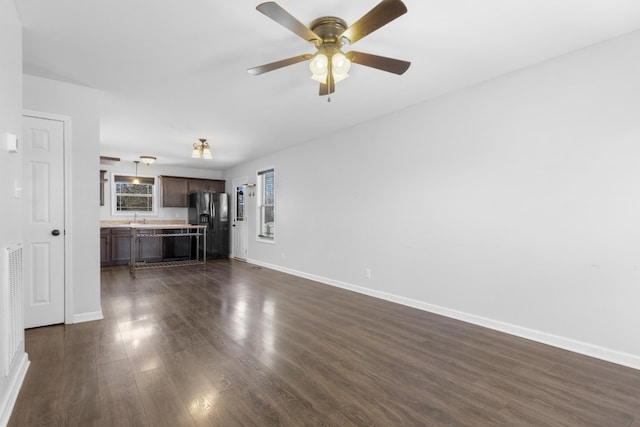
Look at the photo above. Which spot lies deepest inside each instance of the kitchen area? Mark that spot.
(152, 219)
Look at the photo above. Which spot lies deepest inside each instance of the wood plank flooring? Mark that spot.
(240, 345)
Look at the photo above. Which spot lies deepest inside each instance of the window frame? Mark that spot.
(260, 205)
(114, 196)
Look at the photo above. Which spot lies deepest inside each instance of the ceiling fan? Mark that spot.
(329, 35)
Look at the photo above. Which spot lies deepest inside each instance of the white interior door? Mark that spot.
(240, 228)
(43, 194)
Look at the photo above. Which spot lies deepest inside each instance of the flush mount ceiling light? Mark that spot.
(147, 160)
(202, 150)
(329, 65)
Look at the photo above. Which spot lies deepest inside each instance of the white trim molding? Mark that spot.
(620, 358)
(87, 317)
(8, 401)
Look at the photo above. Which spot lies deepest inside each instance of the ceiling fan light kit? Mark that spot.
(319, 66)
(329, 58)
(329, 65)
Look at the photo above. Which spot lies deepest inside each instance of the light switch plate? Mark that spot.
(12, 142)
(18, 189)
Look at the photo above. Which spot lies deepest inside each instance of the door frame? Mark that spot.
(237, 182)
(68, 229)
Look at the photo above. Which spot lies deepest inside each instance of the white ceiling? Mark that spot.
(173, 71)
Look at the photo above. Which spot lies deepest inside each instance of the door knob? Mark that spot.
(55, 232)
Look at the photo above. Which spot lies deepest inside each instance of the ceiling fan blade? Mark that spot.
(278, 64)
(326, 90)
(383, 63)
(284, 18)
(331, 83)
(329, 87)
(385, 12)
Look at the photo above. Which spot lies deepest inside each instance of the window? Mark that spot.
(266, 204)
(240, 202)
(133, 194)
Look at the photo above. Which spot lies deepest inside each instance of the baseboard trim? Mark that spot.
(620, 358)
(9, 401)
(87, 317)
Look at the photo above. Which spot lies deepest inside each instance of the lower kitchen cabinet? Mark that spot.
(176, 248)
(120, 246)
(105, 246)
(149, 248)
(115, 246)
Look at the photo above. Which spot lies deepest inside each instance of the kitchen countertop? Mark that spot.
(156, 223)
(165, 226)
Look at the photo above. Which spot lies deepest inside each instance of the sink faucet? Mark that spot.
(135, 217)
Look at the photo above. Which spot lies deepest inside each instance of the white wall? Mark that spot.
(126, 166)
(514, 204)
(10, 171)
(82, 105)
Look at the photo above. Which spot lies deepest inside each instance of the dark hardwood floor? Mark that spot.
(240, 345)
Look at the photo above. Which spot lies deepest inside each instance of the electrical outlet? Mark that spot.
(367, 273)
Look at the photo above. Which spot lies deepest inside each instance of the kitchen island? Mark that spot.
(144, 245)
(178, 231)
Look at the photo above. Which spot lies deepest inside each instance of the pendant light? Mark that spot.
(136, 180)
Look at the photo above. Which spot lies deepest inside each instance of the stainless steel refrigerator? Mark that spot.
(211, 209)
